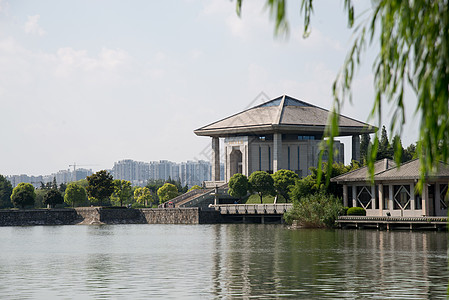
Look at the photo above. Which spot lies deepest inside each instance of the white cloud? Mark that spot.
(32, 26)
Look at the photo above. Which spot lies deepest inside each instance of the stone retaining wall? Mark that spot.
(99, 215)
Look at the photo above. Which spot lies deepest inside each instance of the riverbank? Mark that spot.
(107, 215)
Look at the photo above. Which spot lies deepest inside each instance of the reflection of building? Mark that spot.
(283, 133)
(394, 190)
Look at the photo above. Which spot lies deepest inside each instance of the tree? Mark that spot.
(413, 51)
(195, 187)
(122, 191)
(365, 142)
(143, 195)
(238, 186)
(262, 183)
(100, 186)
(167, 192)
(5, 192)
(53, 197)
(284, 180)
(74, 194)
(23, 195)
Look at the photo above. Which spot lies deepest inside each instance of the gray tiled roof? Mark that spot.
(282, 114)
(382, 172)
(362, 174)
(411, 170)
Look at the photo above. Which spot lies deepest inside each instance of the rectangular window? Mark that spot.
(364, 196)
(418, 202)
(260, 159)
(349, 196)
(376, 196)
(288, 157)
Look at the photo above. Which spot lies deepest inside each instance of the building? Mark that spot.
(394, 191)
(136, 172)
(283, 133)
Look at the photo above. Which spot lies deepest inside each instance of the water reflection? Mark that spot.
(219, 262)
(267, 261)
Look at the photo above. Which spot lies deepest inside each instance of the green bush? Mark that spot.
(317, 210)
(356, 211)
(343, 211)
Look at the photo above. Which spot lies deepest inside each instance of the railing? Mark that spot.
(182, 197)
(252, 209)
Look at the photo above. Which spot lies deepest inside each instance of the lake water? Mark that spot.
(232, 261)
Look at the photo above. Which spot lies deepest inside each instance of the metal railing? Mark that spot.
(252, 209)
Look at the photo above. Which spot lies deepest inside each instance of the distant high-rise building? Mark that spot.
(136, 172)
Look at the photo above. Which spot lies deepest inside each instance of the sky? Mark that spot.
(93, 82)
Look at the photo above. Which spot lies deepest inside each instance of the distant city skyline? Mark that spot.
(137, 172)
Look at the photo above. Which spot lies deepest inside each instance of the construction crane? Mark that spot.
(74, 169)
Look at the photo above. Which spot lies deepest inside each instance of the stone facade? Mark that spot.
(98, 215)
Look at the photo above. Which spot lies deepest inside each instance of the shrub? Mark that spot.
(356, 211)
(343, 211)
(317, 210)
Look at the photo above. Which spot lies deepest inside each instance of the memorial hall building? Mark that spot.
(283, 133)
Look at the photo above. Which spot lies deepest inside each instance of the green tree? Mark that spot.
(195, 187)
(74, 194)
(53, 197)
(23, 195)
(62, 187)
(143, 195)
(412, 51)
(409, 153)
(238, 186)
(262, 183)
(100, 186)
(5, 192)
(284, 180)
(122, 191)
(167, 192)
(365, 142)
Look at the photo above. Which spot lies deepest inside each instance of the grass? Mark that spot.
(255, 199)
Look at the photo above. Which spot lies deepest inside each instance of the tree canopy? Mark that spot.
(23, 195)
(53, 197)
(284, 180)
(167, 192)
(5, 192)
(143, 195)
(261, 183)
(238, 186)
(122, 191)
(413, 40)
(100, 186)
(74, 194)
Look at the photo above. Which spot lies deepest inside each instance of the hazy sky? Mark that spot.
(96, 81)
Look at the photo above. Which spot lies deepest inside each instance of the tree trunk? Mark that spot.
(261, 201)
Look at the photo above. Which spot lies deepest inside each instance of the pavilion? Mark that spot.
(394, 190)
(283, 133)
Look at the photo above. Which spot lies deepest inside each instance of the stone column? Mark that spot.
(390, 200)
(215, 159)
(356, 147)
(373, 197)
(425, 200)
(345, 195)
(277, 152)
(380, 192)
(412, 196)
(354, 196)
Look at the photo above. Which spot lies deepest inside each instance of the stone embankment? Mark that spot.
(100, 215)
